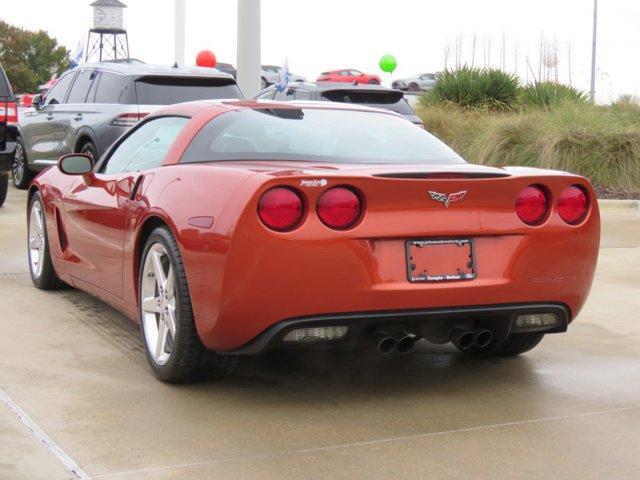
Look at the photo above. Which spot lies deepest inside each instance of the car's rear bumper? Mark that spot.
(435, 323)
(8, 134)
(245, 279)
(7, 150)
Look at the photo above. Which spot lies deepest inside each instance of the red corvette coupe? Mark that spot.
(349, 75)
(229, 228)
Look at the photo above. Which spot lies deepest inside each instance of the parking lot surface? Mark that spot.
(74, 371)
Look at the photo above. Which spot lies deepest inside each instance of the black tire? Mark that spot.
(4, 186)
(47, 279)
(189, 359)
(91, 149)
(373, 82)
(21, 174)
(513, 345)
(413, 87)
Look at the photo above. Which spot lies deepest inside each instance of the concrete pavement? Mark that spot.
(568, 409)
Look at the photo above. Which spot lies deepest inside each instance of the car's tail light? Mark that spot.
(532, 205)
(128, 119)
(339, 208)
(9, 112)
(572, 204)
(281, 209)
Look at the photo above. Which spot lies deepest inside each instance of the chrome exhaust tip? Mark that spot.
(463, 339)
(483, 338)
(384, 343)
(404, 342)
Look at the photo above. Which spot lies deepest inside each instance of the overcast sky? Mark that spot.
(328, 34)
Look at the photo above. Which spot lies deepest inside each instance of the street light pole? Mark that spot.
(249, 47)
(179, 32)
(593, 51)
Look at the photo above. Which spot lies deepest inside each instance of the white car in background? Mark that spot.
(416, 83)
(271, 75)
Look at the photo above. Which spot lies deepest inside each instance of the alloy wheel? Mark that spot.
(17, 167)
(37, 242)
(158, 303)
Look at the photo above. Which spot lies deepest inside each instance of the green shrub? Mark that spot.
(550, 94)
(600, 143)
(475, 89)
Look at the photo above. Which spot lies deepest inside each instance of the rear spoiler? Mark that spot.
(392, 95)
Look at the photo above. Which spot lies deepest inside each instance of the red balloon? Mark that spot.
(206, 58)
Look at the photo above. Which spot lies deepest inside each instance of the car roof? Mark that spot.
(214, 107)
(143, 69)
(330, 86)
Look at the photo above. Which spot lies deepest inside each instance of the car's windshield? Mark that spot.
(316, 135)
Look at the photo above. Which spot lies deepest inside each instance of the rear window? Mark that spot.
(316, 135)
(393, 101)
(169, 90)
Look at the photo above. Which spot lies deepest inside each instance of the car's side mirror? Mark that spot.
(36, 101)
(76, 164)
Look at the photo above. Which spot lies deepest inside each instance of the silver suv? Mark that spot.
(91, 106)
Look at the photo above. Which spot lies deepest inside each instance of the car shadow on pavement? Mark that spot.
(324, 375)
(330, 376)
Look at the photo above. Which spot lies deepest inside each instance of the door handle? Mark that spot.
(78, 117)
(50, 116)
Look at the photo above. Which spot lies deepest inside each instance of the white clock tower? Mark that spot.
(107, 38)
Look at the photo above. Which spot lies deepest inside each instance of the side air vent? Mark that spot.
(62, 235)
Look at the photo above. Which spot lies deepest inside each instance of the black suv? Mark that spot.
(370, 95)
(8, 132)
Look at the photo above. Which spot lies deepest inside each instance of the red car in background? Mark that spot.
(349, 75)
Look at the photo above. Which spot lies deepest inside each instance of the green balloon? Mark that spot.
(388, 63)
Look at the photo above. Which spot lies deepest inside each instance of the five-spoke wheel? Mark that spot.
(171, 341)
(158, 303)
(41, 268)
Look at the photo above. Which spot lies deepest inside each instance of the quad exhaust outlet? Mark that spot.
(465, 339)
(385, 343)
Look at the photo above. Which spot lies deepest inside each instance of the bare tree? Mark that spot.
(569, 61)
(446, 52)
(474, 39)
(550, 60)
(458, 51)
(486, 50)
(503, 60)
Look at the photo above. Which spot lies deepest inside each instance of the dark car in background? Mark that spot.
(369, 95)
(227, 68)
(8, 132)
(91, 106)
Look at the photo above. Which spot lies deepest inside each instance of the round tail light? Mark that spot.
(531, 205)
(280, 209)
(339, 208)
(572, 205)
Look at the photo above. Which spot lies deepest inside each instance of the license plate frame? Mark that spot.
(417, 274)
